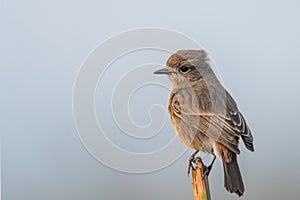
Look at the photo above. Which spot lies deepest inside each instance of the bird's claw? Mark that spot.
(206, 171)
(192, 161)
(190, 166)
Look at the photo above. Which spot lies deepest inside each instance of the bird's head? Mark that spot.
(187, 67)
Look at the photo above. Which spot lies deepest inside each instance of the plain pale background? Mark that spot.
(255, 45)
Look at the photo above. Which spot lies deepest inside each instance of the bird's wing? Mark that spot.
(237, 123)
(225, 127)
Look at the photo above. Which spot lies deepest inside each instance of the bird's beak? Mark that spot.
(162, 71)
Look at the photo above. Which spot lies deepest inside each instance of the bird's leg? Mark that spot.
(191, 160)
(208, 168)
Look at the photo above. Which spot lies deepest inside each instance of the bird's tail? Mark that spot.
(233, 181)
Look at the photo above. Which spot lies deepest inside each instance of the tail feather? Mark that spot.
(233, 181)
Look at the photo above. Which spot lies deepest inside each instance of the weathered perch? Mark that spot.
(200, 182)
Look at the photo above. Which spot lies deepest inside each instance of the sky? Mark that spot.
(254, 46)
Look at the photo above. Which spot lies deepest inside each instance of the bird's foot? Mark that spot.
(190, 165)
(208, 168)
(206, 171)
(191, 161)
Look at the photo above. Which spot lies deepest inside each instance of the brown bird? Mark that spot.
(204, 115)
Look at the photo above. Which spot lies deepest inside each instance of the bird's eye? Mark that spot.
(184, 69)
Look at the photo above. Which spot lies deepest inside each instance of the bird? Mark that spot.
(204, 115)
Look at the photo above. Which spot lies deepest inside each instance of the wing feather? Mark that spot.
(224, 128)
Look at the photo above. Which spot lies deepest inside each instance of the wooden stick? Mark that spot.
(200, 182)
